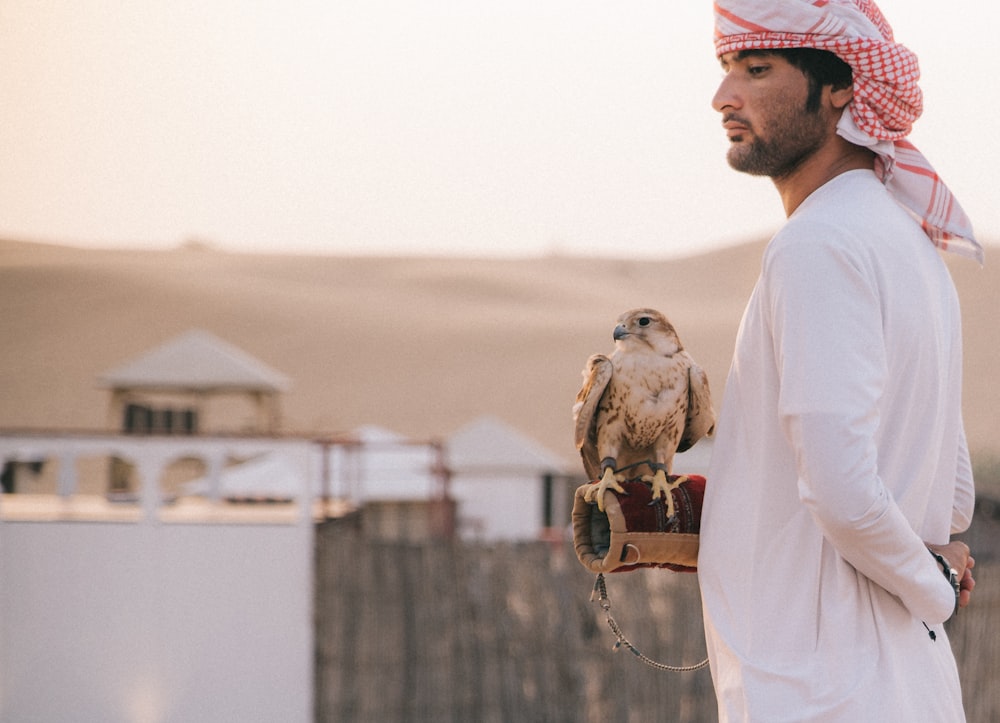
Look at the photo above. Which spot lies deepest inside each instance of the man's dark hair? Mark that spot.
(821, 67)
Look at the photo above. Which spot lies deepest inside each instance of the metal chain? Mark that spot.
(601, 595)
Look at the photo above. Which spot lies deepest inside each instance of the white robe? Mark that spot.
(839, 451)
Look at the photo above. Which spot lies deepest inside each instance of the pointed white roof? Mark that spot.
(373, 433)
(196, 361)
(488, 443)
(269, 475)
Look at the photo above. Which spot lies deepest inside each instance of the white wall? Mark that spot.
(155, 622)
(151, 620)
(498, 507)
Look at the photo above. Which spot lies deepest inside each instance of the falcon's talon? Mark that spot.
(663, 488)
(608, 481)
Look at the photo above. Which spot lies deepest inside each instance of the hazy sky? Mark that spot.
(409, 126)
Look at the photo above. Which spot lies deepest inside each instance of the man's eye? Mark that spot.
(757, 69)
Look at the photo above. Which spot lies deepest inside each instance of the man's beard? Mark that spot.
(790, 138)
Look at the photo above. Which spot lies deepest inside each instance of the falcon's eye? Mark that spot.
(644, 321)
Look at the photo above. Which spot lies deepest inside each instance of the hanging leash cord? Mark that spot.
(601, 595)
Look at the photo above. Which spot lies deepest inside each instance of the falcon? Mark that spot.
(645, 401)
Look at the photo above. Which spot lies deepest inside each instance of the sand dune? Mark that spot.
(419, 345)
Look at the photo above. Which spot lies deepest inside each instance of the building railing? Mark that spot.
(148, 457)
(328, 476)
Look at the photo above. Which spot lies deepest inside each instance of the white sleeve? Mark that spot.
(965, 491)
(828, 343)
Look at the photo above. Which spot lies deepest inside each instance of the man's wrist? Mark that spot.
(950, 573)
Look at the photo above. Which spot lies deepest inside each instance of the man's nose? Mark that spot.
(726, 95)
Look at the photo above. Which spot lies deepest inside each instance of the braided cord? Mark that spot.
(601, 595)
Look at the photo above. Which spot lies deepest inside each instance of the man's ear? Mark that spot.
(840, 97)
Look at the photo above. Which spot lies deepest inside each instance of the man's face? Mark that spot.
(762, 99)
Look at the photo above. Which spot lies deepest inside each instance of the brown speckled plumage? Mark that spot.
(645, 401)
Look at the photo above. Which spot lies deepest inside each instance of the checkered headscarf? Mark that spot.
(887, 99)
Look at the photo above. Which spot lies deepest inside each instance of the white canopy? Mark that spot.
(196, 361)
(488, 444)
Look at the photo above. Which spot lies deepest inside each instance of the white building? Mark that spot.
(507, 486)
(502, 485)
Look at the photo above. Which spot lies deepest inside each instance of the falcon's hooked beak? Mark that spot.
(620, 331)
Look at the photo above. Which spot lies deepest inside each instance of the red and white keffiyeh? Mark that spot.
(887, 99)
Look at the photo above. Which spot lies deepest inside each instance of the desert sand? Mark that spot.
(420, 345)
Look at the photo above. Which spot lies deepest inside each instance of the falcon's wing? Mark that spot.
(596, 377)
(700, 419)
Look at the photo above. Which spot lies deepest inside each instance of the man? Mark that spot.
(840, 459)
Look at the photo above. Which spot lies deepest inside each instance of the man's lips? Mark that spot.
(735, 128)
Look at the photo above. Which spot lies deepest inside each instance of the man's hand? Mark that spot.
(957, 555)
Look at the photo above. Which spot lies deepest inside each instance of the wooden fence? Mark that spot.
(454, 632)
